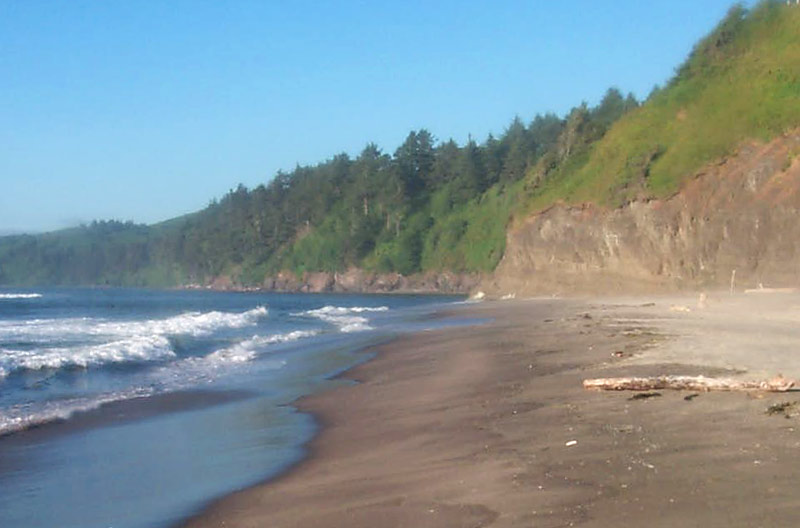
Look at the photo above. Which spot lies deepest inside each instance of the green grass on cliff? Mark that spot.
(741, 82)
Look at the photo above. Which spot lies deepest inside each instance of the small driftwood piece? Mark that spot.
(692, 383)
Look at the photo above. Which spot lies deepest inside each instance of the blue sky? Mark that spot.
(146, 110)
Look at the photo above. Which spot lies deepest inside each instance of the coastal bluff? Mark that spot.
(734, 224)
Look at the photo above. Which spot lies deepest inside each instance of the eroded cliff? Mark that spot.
(738, 220)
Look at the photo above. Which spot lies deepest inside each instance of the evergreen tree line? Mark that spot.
(430, 205)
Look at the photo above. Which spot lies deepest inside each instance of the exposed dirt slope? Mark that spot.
(739, 218)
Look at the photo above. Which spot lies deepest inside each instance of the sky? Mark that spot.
(147, 110)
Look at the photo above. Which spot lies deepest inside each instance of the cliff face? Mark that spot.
(738, 219)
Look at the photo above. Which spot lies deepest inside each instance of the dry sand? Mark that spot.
(489, 425)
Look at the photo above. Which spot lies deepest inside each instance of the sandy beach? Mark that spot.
(489, 425)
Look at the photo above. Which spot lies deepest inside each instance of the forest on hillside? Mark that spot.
(430, 205)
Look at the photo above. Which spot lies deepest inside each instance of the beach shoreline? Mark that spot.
(488, 425)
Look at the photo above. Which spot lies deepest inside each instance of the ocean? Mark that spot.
(131, 408)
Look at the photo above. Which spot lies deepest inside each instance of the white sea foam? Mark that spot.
(197, 323)
(191, 371)
(171, 377)
(108, 342)
(345, 317)
(191, 323)
(247, 350)
(140, 348)
(20, 295)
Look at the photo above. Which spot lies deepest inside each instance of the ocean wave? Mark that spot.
(20, 295)
(105, 342)
(175, 376)
(23, 416)
(191, 371)
(248, 349)
(197, 323)
(344, 317)
(137, 349)
(190, 323)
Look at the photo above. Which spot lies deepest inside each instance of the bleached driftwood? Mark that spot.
(693, 383)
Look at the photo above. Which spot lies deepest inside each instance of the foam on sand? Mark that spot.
(23, 416)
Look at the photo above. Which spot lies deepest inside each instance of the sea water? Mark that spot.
(134, 408)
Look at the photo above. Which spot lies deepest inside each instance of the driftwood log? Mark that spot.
(693, 383)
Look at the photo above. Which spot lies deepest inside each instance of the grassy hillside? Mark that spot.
(740, 82)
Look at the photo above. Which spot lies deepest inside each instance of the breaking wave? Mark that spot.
(346, 319)
(135, 349)
(248, 349)
(174, 376)
(109, 342)
(24, 416)
(190, 323)
(20, 295)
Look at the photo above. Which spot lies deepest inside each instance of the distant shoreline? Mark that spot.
(354, 280)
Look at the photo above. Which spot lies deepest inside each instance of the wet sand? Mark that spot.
(489, 425)
(121, 412)
(14, 447)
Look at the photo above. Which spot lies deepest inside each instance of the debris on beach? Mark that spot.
(693, 383)
(679, 308)
(783, 408)
(702, 301)
(645, 395)
(690, 397)
(571, 443)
